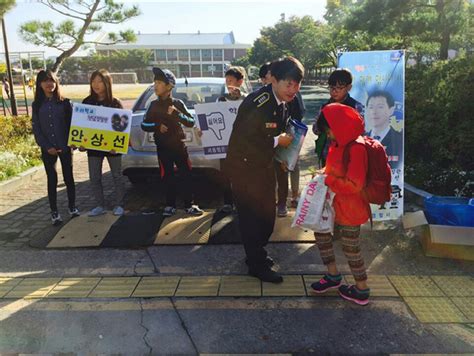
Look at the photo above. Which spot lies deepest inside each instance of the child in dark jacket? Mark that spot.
(51, 123)
(344, 125)
(164, 117)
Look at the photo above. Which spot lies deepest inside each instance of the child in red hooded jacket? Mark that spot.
(343, 125)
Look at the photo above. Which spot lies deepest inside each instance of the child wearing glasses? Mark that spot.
(340, 84)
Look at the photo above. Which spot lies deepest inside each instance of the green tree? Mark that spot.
(419, 25)
(68, 37)
(301, 37)
(6, 5)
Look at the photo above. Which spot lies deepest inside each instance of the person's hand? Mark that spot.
(113, 151)
(284, 166)
(234, 91)
(163, 128)
(198, 132)
(72, 147)
(52, 151)
(171, 109)
(316, 171)
(284, 140)
(82, 149)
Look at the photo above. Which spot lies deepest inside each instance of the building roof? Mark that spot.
(176, 40)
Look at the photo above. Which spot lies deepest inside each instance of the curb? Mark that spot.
(21, 179)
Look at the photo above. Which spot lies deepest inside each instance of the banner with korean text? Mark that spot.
(379, 84)
(216, 121)
(100, 128)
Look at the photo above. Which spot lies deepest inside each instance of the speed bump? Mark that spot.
(7, 284)
(379, 286)
(185, 229)
(83, 231)
(435, 310)
(466, 305)
(292, 286)
(455, 286)
(115, 287)
(198, 286)
(33, 288)
(156, 287)
(73, 288)
(309, 279)
(240, 286)
(416, 286)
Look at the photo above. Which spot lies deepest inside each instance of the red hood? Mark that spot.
(344, 121)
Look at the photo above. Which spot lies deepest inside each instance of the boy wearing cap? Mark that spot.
(164, 118)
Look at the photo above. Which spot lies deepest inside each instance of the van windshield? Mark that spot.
(192, 94)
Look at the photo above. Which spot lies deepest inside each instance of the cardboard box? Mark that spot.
(444, 241)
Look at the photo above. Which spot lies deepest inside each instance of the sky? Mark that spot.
(245, 18)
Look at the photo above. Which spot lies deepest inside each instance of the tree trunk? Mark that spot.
(445, 31)
(78, 43)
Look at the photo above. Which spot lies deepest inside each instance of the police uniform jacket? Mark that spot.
(258, 121)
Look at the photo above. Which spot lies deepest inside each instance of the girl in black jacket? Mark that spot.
(51, 122)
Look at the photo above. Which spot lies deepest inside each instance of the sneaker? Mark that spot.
(350, 292)
(56, 218)
(169, 211)
(194, 210)
(226, 209)
(294, 203)
(282, 211)
(266, 275)
(74, 212)
(98, 210)
(118, 211)
(326, 283)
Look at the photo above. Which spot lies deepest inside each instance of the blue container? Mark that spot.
(449, 211)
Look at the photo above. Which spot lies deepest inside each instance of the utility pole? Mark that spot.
(9, 70)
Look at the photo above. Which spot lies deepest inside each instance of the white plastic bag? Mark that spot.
(315, 211)
(326, 222)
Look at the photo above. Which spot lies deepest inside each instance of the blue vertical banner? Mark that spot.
(379, 83)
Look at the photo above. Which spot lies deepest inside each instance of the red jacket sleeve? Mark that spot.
(354, 179)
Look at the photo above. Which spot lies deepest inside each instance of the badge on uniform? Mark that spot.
(261, 99)
(271, 125)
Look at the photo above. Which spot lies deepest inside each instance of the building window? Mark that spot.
(195, 55)
(206, 54)
(219, 70)
(195, 70)
(228, 54)
(217, 54)
(183, 55)
(160, 55)
(172, 55)
(240, 53)
(184, 70)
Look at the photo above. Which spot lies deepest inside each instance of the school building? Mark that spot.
(187, 54)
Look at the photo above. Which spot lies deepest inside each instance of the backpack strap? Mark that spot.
(345, 162)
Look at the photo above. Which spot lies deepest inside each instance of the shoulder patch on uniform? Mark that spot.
(261, 99)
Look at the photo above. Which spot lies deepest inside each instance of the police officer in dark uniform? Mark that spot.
(258, 129)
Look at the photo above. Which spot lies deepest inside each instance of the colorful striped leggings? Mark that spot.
(350, 236)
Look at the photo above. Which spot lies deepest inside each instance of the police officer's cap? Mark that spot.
(164, 75)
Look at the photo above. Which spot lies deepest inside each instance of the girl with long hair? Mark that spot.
(101, 95)
(51, 123)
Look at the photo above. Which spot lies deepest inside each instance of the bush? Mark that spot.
(439, 137)
(18, 149)
(14, 127)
